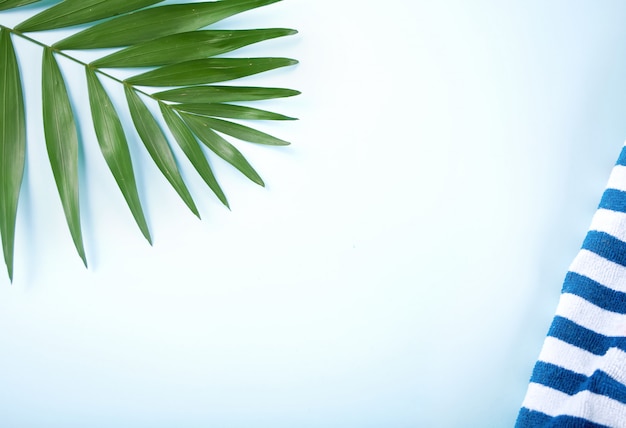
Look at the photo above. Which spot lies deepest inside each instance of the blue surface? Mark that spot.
(401, 268)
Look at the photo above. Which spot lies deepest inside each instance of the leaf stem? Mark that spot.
(74, 59)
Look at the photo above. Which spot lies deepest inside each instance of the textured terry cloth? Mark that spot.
(580, 377)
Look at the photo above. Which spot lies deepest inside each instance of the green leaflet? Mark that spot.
(221, 147)
(188, 46)
(12, 144)
(222, 94)
(208, 70)
(10, 4)
(157, 145)
(157, 22)
(244, 133)
(188, 143)
(231, 111)
(74, 12)
(115, 148)
(62, 144)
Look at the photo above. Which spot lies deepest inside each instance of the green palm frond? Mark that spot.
(183, 57)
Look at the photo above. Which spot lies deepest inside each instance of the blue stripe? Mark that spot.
(606, 246)
(622, 157)
(594, 292)
(570, 382)
(532, 419)
(614, 200)
(558, 378)
(583, 338)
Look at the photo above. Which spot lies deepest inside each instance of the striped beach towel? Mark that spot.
(579, 379)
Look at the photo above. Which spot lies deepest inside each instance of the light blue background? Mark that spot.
(400, 269)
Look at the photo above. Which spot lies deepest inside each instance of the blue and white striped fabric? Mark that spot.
(580, 378)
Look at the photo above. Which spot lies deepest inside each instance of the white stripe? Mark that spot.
(611, 222)
(590, 316)
(615, 365)
(617, 179)
(570, 357)
(599, 269)
(587, 405)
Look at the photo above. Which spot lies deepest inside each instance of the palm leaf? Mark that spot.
(242, 132)
(188, 143)
(114, 147)
(157, 22)
(10, 4)
(12, 144)
(157, 145)
(62, 143)
(222, 94)
(74, 12)
(231, 111)
(208, 70)
(187, 46)
(173, 41)
(221, 147)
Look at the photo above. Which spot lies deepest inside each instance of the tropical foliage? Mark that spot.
(185, 64)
